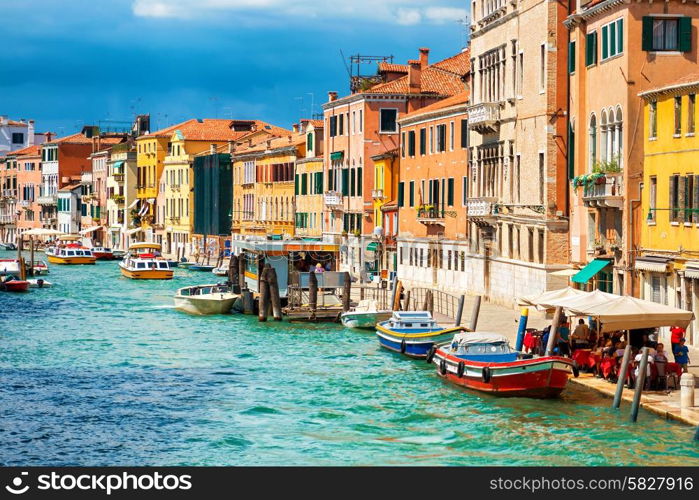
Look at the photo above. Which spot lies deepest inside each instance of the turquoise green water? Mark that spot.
(101, 370)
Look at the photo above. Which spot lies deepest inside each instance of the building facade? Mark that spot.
(517, 184)
(19, 134)
(309, 183)
(121, 193)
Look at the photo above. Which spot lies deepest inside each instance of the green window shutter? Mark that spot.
(345, 182)
(353, 183)
(360, 181)
(571, 152)
(423, 141)
(612, 39)
(412, 194)
(620, 35)
(296, 184)
(331, 186)
(401, 194)
(304, 184)
(411, 143)
(685, 34)
(310, 142)
(450, 192)
(571, 57)
(647, 36)
(591, 49)
(605, 42)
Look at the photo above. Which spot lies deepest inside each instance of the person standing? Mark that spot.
(564, 339)
(681, 353)
(581, 335)
(676, 334)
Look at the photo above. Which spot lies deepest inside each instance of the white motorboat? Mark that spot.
(39, 283)
(205, 299)
(366, 315)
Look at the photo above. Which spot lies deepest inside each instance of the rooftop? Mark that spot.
(453, 101)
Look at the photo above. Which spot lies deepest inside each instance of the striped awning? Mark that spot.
(652, 264)
(691, 270)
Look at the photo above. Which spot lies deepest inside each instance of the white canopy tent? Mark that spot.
(41, 232)
(547, 299)
(614, 312)
(90, 229)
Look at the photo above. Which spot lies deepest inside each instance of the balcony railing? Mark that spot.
(605, 192)
(25, 203)
(484, 117)
(118, 177)
(333, 199)
(480, 207)
(377, 194)
(430, 215)
(47, 200)
(7, 219)
(9, 193)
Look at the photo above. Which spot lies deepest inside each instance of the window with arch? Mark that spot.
(603, 136)
(592, 146)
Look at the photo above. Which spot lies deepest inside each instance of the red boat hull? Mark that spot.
(544, 377)
(15, 286)
(103, 255)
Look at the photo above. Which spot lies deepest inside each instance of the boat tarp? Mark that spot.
(468, 338)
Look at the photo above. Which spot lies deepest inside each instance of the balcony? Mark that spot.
(118, 199)
(430, 215)
(333, 200)
(9, 193)
(25, 203)
(7, 219)
(377, 194)
(484, 117)
(47, 200)
(118, 177)
(88, 198)
(481, 210)
(605, 192)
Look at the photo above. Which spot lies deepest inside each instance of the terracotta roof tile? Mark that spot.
(208, 129)
(455, 100)
(442, 78)
(28, 151)
(385, 67)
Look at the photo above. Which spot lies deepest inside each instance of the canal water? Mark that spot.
(101, 370)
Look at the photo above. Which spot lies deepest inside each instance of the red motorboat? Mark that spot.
(486, 362)
(102, 253)
(12, 284)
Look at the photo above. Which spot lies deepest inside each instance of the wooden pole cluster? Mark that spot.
(265, 304)
(553, 333)
(233, 272)
(31, 256)
(640, 382)
(274, 293)
(622, 376)
(460, 310)
(346, 291)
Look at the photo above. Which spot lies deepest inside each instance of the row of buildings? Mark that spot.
(557, 147)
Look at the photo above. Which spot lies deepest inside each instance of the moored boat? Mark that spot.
(8, 246)
(144, 263)
(39, 283)
(486, 362)
(205, 299)
(412, 333)
(9, 266)
(366, 315)
(186, 264)
(41, 268)
(10, 283)
(201, 267)
(102, 253)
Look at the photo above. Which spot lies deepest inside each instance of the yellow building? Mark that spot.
(668, 258)
(308, 182)
(386, 170)
(151, 150)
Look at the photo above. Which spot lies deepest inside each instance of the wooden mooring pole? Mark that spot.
(264, 305)
(553, 333)
(475, 312)
(31, 256)
(640, 382)
(274, 294)
(622, 376)
(460, 310)
(241, 270)
(313, 294)
(346, 291)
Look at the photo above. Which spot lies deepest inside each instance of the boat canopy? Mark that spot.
(468, 338)
(411, 315)
(143, 245)
(70, 237)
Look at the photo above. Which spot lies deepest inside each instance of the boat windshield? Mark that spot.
(162, 265)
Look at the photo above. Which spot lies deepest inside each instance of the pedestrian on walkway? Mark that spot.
(676, 334)
(681, 353)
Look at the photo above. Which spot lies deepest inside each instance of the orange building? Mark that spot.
(363, 125)
(433, 240)
(617, 51)
(28, 185)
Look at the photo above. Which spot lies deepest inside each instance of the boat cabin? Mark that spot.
(203, 290)
(73, 251)
(482, 346)
(412, 321)
(143, 264)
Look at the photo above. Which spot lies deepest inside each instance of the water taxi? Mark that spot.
(485, 362)
(69, 251)
(205, 299)
(412, 333)
(102, 253)
(365, 316)
(144, 262)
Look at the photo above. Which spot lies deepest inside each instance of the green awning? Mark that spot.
(337, 155)
(372, 247)
(590, 270)
(118, 165)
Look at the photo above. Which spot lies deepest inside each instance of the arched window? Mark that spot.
(603, 136)
(619, 141)
(592, 146)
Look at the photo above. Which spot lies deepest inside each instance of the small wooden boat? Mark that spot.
(412, 333)
(102, 253)
(39, 283)
(8, 246)
(186, 264)
(12, 284)
(144, 263)
(205, 299)
(366, 315)
(220, 271)
(201, 268)
(486, 362)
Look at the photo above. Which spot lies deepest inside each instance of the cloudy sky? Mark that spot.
(74, 62)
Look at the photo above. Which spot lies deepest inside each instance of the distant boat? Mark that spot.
(486, 362)
(40, 268)
(205, 299)
(69, 251)
(366, 315)
(8, 246)
(186, 264)
(39, 283)
(412, 333)
(144, 263)
(201, 268)
(9, 266)
(102, 253)
(220, 271)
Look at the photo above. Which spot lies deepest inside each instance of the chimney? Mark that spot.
(212, 148)
(332, 96)
(295, 128)
(230, 147)
(30, 133)
(414, 76)
(424, 57)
